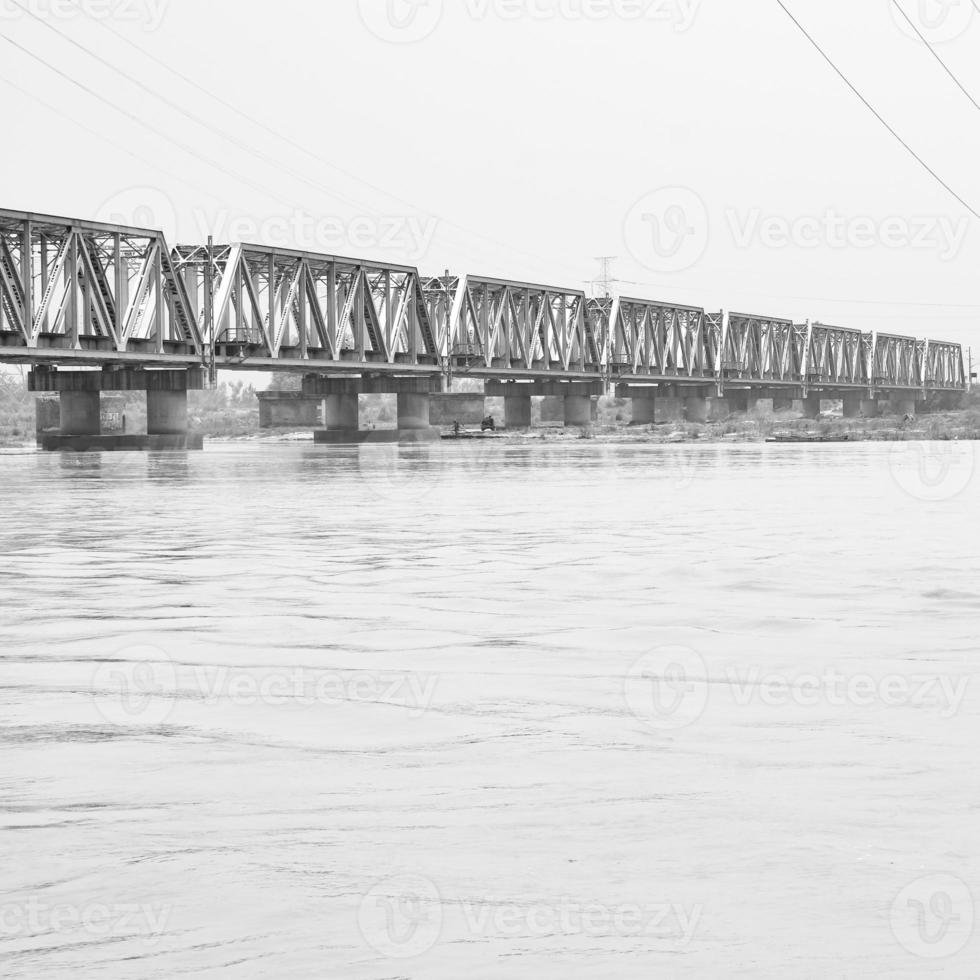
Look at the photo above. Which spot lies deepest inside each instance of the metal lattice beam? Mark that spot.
(85, 286)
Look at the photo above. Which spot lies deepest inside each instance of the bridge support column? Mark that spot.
(668, 409)
(757, 405)
(810, 406)
(413, 412)
(578, 410)
(81, 423)
(340, 412)
(902, 404)
(696, 409)
(517, 411)
(166, 413)
(719, 409)
(782, 403)
(81, 413)
(644, 411)
(857, 406)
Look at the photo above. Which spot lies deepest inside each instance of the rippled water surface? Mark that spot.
(490, 710)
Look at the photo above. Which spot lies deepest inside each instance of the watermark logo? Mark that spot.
(401, 21)
(932, 471)
(35, 917)
(401, 917)
(138, 686)
(937, 233)
(407, 237)
(938, 21)
(836, 689)
(140, 207)
(302, 687)
(679, 14)
(932, 918)
(667, 688)
(666, 230)
(148, 14)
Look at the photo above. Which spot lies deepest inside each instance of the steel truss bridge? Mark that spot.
(76, 292)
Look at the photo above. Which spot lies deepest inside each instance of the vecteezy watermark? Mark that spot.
(407, 236)
(932, 471)
(140, 207)
(836, 689)
(303, 687)
(408, 21)
(401, 21)
(933, 917)
(666, 230)
(938, 21)
(136, 686)
(401, 917)
(405, 916)
(148, 14)
(679, 14)
(938, 233)
(34, 917)
(667, 688)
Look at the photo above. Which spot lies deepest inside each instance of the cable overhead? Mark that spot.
(935, 53)
(313, 156)
(107, 139)
(134, 118)
(875, 112)
(206, 124)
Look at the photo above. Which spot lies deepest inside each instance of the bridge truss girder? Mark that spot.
(501, 324)
(838, 355)
(650, 339)
(81, 285)
(278, 304)
(943, 365)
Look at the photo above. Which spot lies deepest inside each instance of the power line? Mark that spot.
(875, 112)
(134, 118)
(935, 53)
(305, 150)
(107, 139)
(166, 100)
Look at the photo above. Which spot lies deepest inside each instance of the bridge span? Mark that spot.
(77, 295)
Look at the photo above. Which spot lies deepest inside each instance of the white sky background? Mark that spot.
(519, 137)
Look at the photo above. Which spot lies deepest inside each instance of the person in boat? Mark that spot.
(456, 428)
(488, 423)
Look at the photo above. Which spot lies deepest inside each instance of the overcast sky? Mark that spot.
(705, 144)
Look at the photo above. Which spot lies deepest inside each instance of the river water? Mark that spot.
(491, 709)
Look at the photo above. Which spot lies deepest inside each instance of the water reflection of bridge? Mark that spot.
(80, 295)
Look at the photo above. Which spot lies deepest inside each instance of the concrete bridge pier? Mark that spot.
(902, 404)
(166, 413)
(810, 406)
(341, 416)
(340, 413)
(81, 413)
(760, 405)
(857, 405)
(80, 395)
(696, 408)
(782, 403)
(517, 411)
(578, 410)
(735, 401)
(644, 411)
(413, 411)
